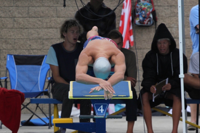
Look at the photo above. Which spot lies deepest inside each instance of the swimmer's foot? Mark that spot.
(95, 28)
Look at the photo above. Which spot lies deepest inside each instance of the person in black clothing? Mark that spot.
(96, 13)
(131, 75)
(62, 58)
(162, 62)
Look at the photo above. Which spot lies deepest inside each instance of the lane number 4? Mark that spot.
(100, 109)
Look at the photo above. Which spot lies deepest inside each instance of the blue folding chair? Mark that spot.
(28, 74)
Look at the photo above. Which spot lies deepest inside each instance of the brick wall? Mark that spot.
(32, 26)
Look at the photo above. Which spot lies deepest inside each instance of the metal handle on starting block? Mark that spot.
(114, 116)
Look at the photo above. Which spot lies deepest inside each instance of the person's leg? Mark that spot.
(192, 81)
(176, 113)
(60, 92)
(85, 109)
(193, 109)
(130, 126)
(131, 111)
(92, 32)
(193, 114)
(147, 111)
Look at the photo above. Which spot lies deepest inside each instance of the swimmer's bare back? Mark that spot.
(101, 48)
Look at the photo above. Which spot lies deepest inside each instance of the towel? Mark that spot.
(10, 108)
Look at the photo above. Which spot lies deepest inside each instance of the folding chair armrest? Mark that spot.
(3, 77)
(50, 80)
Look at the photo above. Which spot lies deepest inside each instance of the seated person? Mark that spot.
(192, 85)
(62, 58)
(192, 80)
(162, 62)
(130, 74)
(101, 53)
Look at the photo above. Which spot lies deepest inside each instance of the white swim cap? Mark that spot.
(101, 68)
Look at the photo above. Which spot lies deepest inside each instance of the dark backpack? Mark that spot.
(144, 13)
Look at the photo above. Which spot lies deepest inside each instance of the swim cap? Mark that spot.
(101, 68)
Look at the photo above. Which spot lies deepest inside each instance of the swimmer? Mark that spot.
(101, 53)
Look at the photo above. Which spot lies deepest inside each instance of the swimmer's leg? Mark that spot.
(93, 32)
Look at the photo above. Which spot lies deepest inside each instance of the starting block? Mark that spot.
(62, 120)
(81, 91)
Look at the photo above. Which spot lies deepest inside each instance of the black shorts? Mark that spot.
(158, 100)
(193, 93)
(131, 107)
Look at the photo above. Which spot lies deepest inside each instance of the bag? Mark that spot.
(144, 13)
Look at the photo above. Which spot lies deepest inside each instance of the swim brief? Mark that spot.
(98, 37)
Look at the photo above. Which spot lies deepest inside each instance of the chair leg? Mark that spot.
(50, 116)
(55, 116)
(35, 114)
(197, 117)
(42, 110)
(25, 106)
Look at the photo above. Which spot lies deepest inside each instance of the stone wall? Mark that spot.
(32, 26)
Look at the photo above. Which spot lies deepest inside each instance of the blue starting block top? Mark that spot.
(81, 91)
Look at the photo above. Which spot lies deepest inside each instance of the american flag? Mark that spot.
(125, 26)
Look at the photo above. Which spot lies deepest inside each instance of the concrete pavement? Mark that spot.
(161, 124)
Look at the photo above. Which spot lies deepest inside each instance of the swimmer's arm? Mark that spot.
(81, 71)
(120, 68)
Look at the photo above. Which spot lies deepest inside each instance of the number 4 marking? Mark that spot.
(101, 109)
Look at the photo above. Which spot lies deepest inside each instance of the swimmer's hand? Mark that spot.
(106, 86)
(107, 95)
(96, 89)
